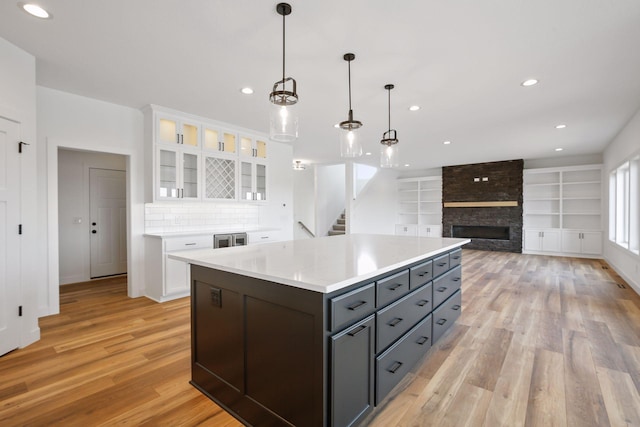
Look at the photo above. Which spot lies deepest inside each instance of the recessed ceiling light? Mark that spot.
(559, 149)
(561, 126)
(337, 125)
(35, 10)
(447, 142)
(406, 165)
(529, 82)
(414, 108)
(246, 90)
(367, 153)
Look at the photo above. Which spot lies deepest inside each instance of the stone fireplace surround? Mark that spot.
(483, 184)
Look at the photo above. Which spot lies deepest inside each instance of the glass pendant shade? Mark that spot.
(389, 157)
(350, 143)
(283, 122)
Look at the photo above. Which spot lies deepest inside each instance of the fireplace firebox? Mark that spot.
(480, 232)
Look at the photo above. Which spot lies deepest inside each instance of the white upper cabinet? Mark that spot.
(253, 147)
(198, 159)
(177, 131)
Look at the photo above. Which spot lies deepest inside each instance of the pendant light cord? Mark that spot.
(283, 52)
(389, 91)
(349, 86)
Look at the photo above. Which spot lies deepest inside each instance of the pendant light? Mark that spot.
(349, 142)
(284, 115)
(389, 148)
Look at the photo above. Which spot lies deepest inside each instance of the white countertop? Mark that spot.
(172, 234)
(322, 264)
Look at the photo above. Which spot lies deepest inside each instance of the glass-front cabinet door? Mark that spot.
(219, 140)
(261, 181)
(189, 176)
(250, 147)
(181, 132)
(253, 181)
(167, 174)
(178, 174)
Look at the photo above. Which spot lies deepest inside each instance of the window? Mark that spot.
(624, 205)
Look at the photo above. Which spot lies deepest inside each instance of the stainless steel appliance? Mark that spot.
(228, 240)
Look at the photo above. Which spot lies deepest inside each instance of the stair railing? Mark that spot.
(305, 228)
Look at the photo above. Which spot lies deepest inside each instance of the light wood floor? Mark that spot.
(542, 341)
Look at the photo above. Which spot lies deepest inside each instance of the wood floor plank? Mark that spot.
(621, 397)
(585, 404)
(546, 406)
(540, 341)
(508, 406)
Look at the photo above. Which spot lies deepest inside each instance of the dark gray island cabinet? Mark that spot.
(308, 352)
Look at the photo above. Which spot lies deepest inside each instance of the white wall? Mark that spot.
(620, 149)
(561, 161)
(375, 208)
(304, 200)
(18, 104)
(330, 196)
(278, 212)
(76, 122)
(73, 197)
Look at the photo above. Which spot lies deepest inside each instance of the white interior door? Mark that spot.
(9, 238)
(108, 205)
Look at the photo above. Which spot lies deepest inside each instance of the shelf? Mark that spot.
(542, 199)
(581, 182)
(543, 213)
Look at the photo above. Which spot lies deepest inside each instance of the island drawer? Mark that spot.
(455, 258)
(440, 265)
(446, 314)
(399, 317)
(354, 305)
(395, 363)
(421, 274)
(445, 285)
(391, 288)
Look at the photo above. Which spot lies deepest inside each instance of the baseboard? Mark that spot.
(31, 337)
(631, 282)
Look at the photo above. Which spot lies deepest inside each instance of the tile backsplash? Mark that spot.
(185, 217)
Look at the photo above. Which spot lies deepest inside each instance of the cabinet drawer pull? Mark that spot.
(395, 367)
(455, 307)
(356, 305)
(456, 257)
(394, 287)
(422, 340)
(357, 331)
(441, 264)
(394, 322)
(455, 279)
(441, 322)
(441, 289)
(424, 273)
(423, 302)
(190, 244)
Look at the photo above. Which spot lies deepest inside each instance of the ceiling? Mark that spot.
(462, 61)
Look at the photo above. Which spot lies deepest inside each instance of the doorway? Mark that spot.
(91, 190)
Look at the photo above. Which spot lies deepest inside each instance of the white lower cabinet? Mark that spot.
(406, 229)
(431, 230)
(264, 236)
(539, 240)
(582, 242)
(167, 278)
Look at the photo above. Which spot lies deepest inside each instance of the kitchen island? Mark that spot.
(317, 332)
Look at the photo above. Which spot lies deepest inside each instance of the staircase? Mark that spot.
(339, 227)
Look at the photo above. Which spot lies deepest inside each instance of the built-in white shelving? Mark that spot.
(563, 210)
(420, 206)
